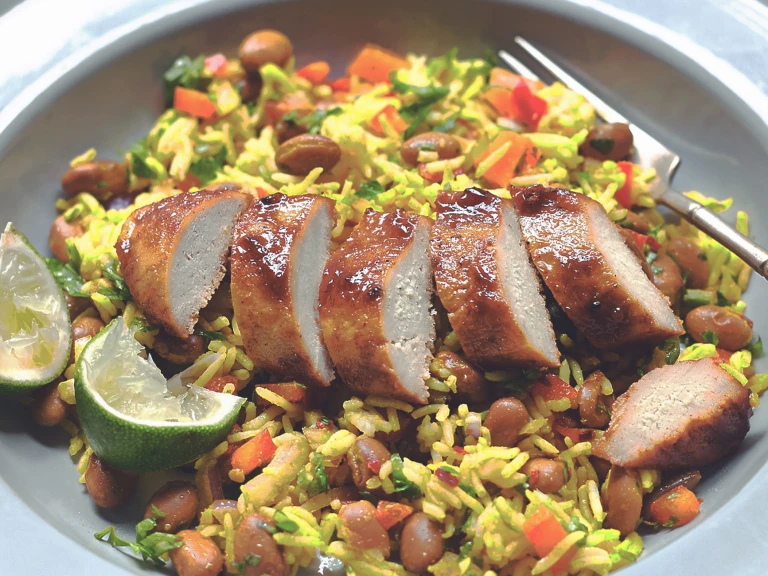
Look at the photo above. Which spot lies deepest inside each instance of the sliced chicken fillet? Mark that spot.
(375, 303)
(281, 246)
(487, 284)
(173, 253)
(685, 415)
(590, 270)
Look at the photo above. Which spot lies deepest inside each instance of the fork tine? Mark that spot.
(518, 66)
(605, 111)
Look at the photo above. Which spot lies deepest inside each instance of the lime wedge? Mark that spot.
(35, 333)
(131, 416)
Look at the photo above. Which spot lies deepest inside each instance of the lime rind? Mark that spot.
(35, 331)
(130, 417)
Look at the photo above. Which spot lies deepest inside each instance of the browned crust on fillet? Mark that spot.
(697, 438)
(266, 237)
(149, 239)
(556, 224)
(352, 297)
(464, 254)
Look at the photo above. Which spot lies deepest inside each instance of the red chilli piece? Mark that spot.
(446, 477)
(624, 194)
(390, 513)
(374, 465)
(215, 63)
(554, 388)
(217, 383)
(531, 107)
(340, 84)
(460, 450)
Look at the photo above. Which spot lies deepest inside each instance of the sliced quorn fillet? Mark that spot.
(173, 253)
(591, 272)
(685, 415)
(279, 253)
(375, 303)
(487, 284)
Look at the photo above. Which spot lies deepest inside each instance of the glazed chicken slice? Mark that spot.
(281, 246)
(681, 416)
(487, 284)
(173, 253)
(591, 272)
(375, 304)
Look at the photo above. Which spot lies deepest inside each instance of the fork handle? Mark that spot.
(707, 221)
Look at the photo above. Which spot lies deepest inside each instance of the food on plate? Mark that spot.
(682, 416)
(487, 283)
(267, 244)
(279, 252)
(172, 253)
(590, 271)
(375, 306)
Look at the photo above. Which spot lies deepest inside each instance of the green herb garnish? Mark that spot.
(404, 486)
(710, 337)
(184, 72)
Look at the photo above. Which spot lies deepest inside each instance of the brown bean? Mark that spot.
(592, 406)
(733, 331)
(505, 418)
(302, 154)
(365, 458)
(445, 145)
(84, 327)
(101, 178)
(692, 261)
(470, 382)
(545, 474)
(251, 88)
(252, 539)
(629, 240)
(667, 276)
(265, 47)
(287, 129)
(359, 527)
(76, 305)
(421, 543)
(602, 467)
(108, 487)
(608, 142)
(49, 409)
(57, 238)
(197, 556)
(220, 508)
(178, 501)
(178, 351)
(636, 222)
(624, 501)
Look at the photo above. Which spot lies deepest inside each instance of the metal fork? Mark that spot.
(650, 152)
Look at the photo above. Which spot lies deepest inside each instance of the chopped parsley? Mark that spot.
(710, 337)
(404, 486)
(602, 145)
(207, 167)
(370, 190)
(67, 277)
(671, 349)
(426, 98)
(312, 122)
(756, 348)
(284, 523)
(211, 334)
(120, 290)
(138, 154)
(184, 72)
(151, 546)
(318, 483)
(250, 559)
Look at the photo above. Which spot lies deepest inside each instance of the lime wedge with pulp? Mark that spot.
(132, 418)
(35, 333)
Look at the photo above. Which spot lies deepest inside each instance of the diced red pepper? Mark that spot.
(447, 477)
(641, 240)
(375, 64)
(261, 193)
(459, 450)
(193, 102)
(291, 391)
(215, 63)
(531, 107)
(554, 388)
(340, 84)
(390, 513)
(393, 119)
(256, 452)
(316, 72)
(624, 194)
(217, 383)
(675, 508)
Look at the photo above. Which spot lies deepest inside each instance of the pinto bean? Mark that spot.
(305, 152)
(470, 382)
(691, 260)
(178, 501)
(265, 47)
(545, 474)
(505, 418)
(76, 305)
(733, 331)
(636, 222)
(49, 409)
(608, 142)
(57, 238)
(84, 327)
(592, 407)
(178, 351)
(108, 487)
(100, 178)
(624, 501)
(421, 543)
(197, 556)
(365, 458)
(360, 528)
(445, 145)
(667, 276)
(253, 538)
